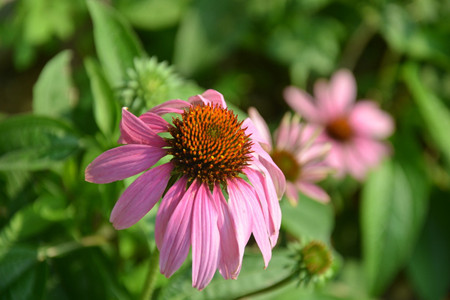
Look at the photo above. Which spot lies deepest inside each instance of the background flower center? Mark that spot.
(339, 129)
(287, 163)
(208, 143)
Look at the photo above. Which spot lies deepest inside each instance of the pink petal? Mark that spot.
(315, 172)
(230, 260)
(168, 204)
(282, 134)
(134, 131)
(371, 151)
(301, 103)
(215, 97)
(325, 102)
(314, 153)
(239, 190)
(177, 238)
(155, 122)
(313, 191)
(292, 193)
(368, 120)
(336, 159)
(342, 91)
(261, 126)
(171, 106)
(140, 197)
(241, 215)
(205, 238)
(356, 166)
(272, 170)
(269, 202)
(122, 162)
(253, 132)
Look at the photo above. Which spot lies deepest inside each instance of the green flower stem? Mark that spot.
(270, 288)
(61, 249)
(152, 271)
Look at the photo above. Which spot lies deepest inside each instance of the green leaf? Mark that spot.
(106, 108)
(31, 142)
(428, 267)
(435, 114)
(13, 264)
(309, 219)
(53, 94)
(115, 42)
(30, 285)
(152, 14)
(252, 278)
(207, 32)
(394, 203)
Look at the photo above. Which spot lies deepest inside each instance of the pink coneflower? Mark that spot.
(297, 154)
(355, 130)
(209, 206)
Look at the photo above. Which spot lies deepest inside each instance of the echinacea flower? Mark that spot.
(297, 154)
(355, 129)
(210, 205)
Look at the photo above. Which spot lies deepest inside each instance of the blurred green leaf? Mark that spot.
(31, 142)
(428, 267)
(405, 34)
(207, 32)
(30, 285)
(116, 44)
(53, 94)
(106, 108)
(309, 219)
(152, 14)
(434, 112)
(252, 278)
(394, 203)
(14, 263)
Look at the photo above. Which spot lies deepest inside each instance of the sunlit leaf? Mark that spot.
(116, 44)
(53, 94)
(435, 114)
(309, 219)
(106, 109)
(31, 142)
(394, 203)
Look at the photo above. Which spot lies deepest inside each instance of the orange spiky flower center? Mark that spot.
(209, 144)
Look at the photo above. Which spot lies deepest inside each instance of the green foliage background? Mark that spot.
(67, 66)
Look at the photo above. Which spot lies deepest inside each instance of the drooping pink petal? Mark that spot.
(134, 131)
(239, 190)
(122, 162)
(343, 91)
(229, 259)
(253, 132)
(370, 151)
(261, 127)
(292, 193)
(177, 238)
(336, 159)
(172, 106)
(140, 196)
(302, 103)
(313, 191)
(269, 202)
(168, 204)
(241, 216)
(155, 122)
(266, 164)
(356, 166)
(367, 119)
(205, 238)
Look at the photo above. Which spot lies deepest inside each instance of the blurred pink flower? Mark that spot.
(210, 152)
(355, 130)
(297, 154)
